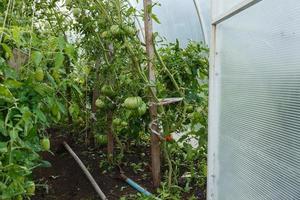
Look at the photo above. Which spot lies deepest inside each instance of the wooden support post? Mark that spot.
(68, 91)
(96, 93)
(155, 142)
(110, 136)
(110, 114)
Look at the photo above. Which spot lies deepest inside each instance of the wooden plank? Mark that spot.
(235, 10)
(155, 141)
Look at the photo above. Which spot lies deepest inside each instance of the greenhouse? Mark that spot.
(149, 99)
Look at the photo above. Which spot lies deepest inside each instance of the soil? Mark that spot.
(64, 180)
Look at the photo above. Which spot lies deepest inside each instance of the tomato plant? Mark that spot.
(111, 41)
(83, 63)
(33, 85)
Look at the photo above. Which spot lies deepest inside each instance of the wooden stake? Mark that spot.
(68, 90)
(110, 136)
(110, 114)
(96, 93)
(155, 142)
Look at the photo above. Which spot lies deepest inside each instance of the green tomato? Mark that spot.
(105, 34)
(129, 30)
(100, 104)
(55, 110)
(160, 109)
(133, 103)
(197, 116)
(124, 123)
(117, 122)
(68, 2)
(19, 197)
(45, 143)
(189, 108)
(142, 109)
(6, 55)
(30, 189)
(115, 29)
(56, 75)
(76, 12)
(39, 75)
(101, 139)
(107, 90)
(74, 110)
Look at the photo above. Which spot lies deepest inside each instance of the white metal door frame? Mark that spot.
(214, 91)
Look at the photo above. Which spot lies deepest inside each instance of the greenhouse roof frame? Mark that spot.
(235, 10)
(201, 21)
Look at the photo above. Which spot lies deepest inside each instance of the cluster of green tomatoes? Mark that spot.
(130, 103)
(134, 105)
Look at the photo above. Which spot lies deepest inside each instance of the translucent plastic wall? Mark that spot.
(221, 6)
(255, 147)
(182, 19)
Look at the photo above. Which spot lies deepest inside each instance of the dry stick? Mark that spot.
(155, 141)
(86, 172)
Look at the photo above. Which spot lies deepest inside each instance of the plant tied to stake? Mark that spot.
(85, 69)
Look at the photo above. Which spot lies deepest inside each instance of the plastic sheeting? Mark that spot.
(223, 6)
(180, 20)
(257, 147)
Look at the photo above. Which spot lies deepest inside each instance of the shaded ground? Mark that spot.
(66, 181)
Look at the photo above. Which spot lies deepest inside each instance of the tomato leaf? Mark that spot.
(3, 147)
(36, 57)
(155, 18)
(70, 51)
(5, 94)
(59, 59)
(7, 50)
(11, 83)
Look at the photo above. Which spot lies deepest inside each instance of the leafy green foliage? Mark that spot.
(31, 98)
(52, 61)
(110, 40)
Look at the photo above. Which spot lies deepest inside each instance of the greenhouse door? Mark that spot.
(254, 112)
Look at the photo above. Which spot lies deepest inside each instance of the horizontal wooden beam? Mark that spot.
(235, 10)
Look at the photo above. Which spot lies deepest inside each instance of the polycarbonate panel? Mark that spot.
(205, 11)
(258, 149)
(179, 20)
(222, 6)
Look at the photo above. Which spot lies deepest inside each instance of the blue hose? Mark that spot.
(137, 187)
